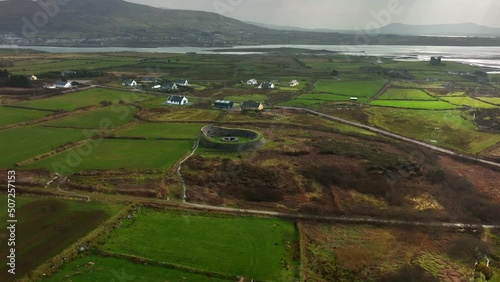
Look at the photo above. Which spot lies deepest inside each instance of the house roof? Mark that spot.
(266, 84)
(250, 104)
(61, 83)
(169, 85)
(176, 99)
(223, 102)
(128, 81)
(181, 81)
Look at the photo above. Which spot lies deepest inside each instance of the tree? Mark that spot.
(4, 73)
(335, 72)
(19, 81)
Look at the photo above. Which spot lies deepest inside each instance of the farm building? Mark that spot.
(129, 82)
(33, 77)
(149, 80)
(156, 87)
(355, 99)
(266, 85)
(223, 104)
(182, 82)
(293, 83)
(170, 87)
(252, 81)
(252, 106)
(177, 100)
(62, 84)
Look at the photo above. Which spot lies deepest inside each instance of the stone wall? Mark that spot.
(210, 134)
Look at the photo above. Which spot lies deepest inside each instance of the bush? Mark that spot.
(19, 81)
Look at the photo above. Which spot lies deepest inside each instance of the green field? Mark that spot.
(405, 94)
(254, 97)
(14, 115)
(106, 117)
(189, 115)
(75, 100)
(411, 84)
(117, 154)
(441, 128)
(329, 97)
(351, 88)
(162, 130)
(19, 144)
(47, 226)
(423, 105)
(468, 101)
(251, 247)
(112, 269)
(494, 100)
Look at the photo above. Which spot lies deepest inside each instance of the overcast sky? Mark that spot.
(344, 14)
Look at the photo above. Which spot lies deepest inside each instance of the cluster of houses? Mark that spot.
(270, 84)
(170, 86)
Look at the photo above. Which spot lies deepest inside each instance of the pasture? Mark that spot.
(442, 128)
(22, 143)
(469, 102)
(110, 269)
(493, 100)
(408, 104)
(259, 248)
(103, 118)
(351, 88)
(47, 226)
(117, 154)
(14, 115)
(75, 100)
(405, 94)
(162, 130)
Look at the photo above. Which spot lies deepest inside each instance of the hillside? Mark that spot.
(104, 18)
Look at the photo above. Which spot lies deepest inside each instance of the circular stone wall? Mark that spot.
(230, 139)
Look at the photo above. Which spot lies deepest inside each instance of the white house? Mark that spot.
(293, 83)
(62, 84)
(177, 100)
(252, 81)
(129, 82)
(182, 82)
(33, 77)
(266, 85)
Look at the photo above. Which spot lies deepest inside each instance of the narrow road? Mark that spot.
(393, 135)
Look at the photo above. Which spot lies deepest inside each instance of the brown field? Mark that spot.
(46, 227)
(368, 253)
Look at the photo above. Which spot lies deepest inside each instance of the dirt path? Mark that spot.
(382, 91)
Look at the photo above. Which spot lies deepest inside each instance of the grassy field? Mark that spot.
(351, 88)
(47, 226)
(118, 154)
(251, 247)
(468, 101)
(106, 117)
(162, 130)
(415, 84)
(405, 94)
(494, 100)
(442, 128)
(111, 269)
(424, 105)
(13, 115)
(75, 100)
(189, 115)
(329, 97)
(19, 144)
(304, 103)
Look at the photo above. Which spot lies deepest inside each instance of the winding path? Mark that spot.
(393, 135)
